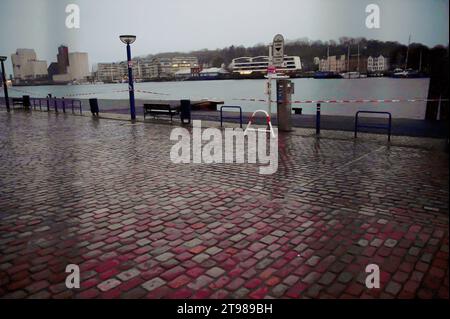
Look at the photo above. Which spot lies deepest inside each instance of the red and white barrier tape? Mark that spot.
(335, 101)
(349, 100)
(92, 93)
(20, 90)
(150, 92)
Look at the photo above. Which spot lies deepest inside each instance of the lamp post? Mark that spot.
(129, 39)
(5, 86)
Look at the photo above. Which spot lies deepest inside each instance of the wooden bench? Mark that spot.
(17, 101)
(22, 101)
(161, 109)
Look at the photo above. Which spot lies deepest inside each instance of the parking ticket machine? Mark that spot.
(285, 89)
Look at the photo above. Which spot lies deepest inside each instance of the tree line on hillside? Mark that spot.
(308, 50)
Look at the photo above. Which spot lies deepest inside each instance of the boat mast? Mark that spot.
(357, 68)
(348, 58)
(407, 52)
(328, 58)
(420, 61)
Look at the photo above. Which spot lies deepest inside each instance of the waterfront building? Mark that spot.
(183, 74)
(146, 69)
(62, 59)
(180, 63)
(164, 67)
(212, 73)
(333, 63)
(341, 63)
(259, 64)
(116, 72)
(26, 66)
(78, 65)
(53, 69)
(111, 72)
(377, 64)
(76, 70)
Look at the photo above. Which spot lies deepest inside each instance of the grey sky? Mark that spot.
(184, 25)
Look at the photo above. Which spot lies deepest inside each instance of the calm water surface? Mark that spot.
(229, 90)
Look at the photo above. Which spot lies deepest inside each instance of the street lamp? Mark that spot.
(129, 39)
(5, 86)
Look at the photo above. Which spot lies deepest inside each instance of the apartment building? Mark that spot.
(163, 67)
(377, 64)
(116, 72)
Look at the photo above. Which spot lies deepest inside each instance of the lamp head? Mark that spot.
(127, 39)
(3, 58)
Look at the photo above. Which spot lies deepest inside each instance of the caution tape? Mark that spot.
(150, 92)
(346, 100)
(334, 101)
(91, 93)
(21, 90)
(94, 93)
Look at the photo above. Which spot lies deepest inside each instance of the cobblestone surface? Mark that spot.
(105, 195)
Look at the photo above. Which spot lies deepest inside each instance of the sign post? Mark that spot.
(278, 50)
(276, 59)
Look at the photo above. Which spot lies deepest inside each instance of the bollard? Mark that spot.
(63, 104)
(26, 102)
(48, 104)
(93, 103)
(318, 119)
(185, 111)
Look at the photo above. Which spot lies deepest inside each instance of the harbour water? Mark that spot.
(230, 90)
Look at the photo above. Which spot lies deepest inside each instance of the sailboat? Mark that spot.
(352, 74)
(327, 74)
(408, 72)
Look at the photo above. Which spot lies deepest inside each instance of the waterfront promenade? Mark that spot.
(104, 194)
(329, 121)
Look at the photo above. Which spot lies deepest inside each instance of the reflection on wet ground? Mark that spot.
(104, 195)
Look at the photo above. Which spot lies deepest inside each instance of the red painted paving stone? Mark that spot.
(104, 195)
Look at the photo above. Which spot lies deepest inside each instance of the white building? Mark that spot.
(118, 71)
(78, 65)
(259, 64)
(377, 64)
(111, 72)
(78, 69)
(26, 66)
(169, 67)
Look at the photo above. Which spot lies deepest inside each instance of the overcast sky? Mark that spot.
(184, 25)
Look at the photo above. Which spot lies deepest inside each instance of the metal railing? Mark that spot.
(230, 118)
(57, 104)
(388, 127)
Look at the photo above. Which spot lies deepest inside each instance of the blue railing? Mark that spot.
(57, 104)
(388, 127)
(230, 118)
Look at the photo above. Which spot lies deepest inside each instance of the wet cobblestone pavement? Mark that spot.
(104, 194)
